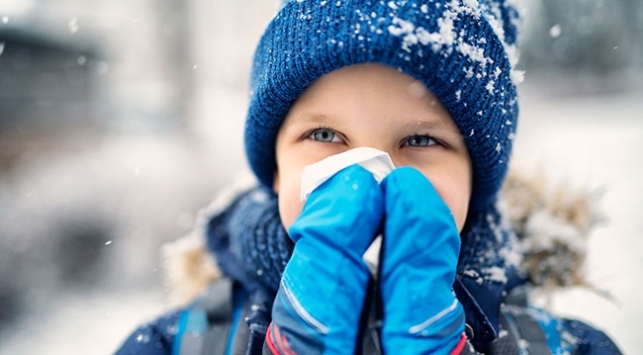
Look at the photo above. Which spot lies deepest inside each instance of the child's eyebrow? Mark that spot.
(433, 124)
(316, 118)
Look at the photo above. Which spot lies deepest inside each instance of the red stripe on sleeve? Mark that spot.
(458, 348)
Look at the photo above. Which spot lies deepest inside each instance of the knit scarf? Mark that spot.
(252, 247)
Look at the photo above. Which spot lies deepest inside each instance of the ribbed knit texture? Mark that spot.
(463, 51)
(249, 241)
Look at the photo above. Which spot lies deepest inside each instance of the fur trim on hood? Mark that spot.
(188, 267)
(552, 223)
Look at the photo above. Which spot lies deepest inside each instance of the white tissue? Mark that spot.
(379, 163)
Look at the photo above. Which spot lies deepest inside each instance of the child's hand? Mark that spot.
(321, 296)
(421, 247)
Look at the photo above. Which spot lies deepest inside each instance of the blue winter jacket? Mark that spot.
(481, 300)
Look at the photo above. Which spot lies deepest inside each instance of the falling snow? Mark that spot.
(73, 25)
(618, 237)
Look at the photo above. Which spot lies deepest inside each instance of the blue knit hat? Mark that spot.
(464, 51)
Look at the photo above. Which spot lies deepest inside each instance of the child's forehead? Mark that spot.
(340, 97)
(369, 77)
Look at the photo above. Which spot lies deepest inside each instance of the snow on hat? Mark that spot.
(464, 51)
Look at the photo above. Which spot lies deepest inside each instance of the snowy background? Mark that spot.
(120, 119)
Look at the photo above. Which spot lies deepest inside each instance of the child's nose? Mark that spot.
(373, 143)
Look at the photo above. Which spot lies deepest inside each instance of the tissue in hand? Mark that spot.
(379, 163)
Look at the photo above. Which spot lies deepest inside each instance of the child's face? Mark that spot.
(371, 105)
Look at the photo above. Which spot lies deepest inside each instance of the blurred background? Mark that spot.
(120, 119)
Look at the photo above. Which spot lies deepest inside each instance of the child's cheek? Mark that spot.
(289, 207)
(456, 198)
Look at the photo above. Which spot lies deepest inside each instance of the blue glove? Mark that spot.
(319, 303)
(420, 253)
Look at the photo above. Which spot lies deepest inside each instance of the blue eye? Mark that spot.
(420, 141)
(324, 135)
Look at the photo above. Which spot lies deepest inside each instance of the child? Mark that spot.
(433, 85)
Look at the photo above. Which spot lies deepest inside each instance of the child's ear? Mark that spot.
(275, 182)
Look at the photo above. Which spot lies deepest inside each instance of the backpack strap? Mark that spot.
(204, 327)
(521, 330)
(521, 333)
